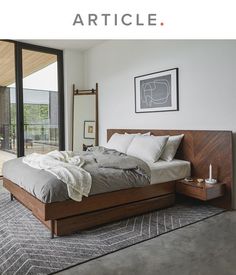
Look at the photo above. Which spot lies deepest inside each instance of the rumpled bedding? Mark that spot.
(66, 167)
(110, 171)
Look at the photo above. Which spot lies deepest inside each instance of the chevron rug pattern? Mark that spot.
(26, 247)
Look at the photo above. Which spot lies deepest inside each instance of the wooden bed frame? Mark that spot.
(199, 147)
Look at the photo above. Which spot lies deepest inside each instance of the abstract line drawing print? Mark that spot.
(155, 92)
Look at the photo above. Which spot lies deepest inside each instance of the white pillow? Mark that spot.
(136, 134)
(147, 148)
(120, 142)
(171, 147)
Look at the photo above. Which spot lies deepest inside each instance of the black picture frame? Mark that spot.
(157, 91)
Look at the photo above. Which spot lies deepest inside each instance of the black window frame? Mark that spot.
(19, 47)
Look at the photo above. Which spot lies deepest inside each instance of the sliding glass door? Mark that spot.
(8, 129)
(31, 100)
(40, 102)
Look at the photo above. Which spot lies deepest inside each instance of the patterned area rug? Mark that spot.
(26, 247)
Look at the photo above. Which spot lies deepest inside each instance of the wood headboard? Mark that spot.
(202, 148)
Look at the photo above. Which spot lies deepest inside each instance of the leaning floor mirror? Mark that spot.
(85, 118)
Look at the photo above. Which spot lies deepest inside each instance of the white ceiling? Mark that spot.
(81, 45)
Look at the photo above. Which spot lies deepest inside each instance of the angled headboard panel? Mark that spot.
(201, 148)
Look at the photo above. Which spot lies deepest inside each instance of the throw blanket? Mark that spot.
(67, 167)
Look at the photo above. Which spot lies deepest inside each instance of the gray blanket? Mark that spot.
(110, 171)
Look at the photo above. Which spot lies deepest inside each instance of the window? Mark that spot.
(31, 100)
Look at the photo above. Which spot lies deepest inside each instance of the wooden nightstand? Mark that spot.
(200, 191)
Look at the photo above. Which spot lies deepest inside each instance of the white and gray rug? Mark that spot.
(26, 247)
(1, 187)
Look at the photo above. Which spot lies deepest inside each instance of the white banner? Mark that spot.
(107, 19)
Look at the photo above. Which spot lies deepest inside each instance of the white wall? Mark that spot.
(207, 90)
(73, 74)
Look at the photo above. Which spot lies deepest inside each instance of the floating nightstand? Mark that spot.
(201, 191)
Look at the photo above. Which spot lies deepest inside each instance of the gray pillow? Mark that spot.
(171, 147)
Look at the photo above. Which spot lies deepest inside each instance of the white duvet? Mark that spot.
(66, 167)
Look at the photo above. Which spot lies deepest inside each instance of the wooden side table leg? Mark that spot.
(12, 197)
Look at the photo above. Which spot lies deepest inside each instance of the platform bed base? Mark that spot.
(64, 218)
(72, 224)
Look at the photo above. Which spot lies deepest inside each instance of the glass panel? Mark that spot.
(40, 94)
(84, 132)
(8, 145)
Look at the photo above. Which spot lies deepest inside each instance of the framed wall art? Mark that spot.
(89, 129)
(157, 92)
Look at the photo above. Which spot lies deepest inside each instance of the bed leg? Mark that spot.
(12, 197)
(52, 228)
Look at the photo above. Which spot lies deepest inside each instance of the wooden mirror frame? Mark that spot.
(77, 92)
